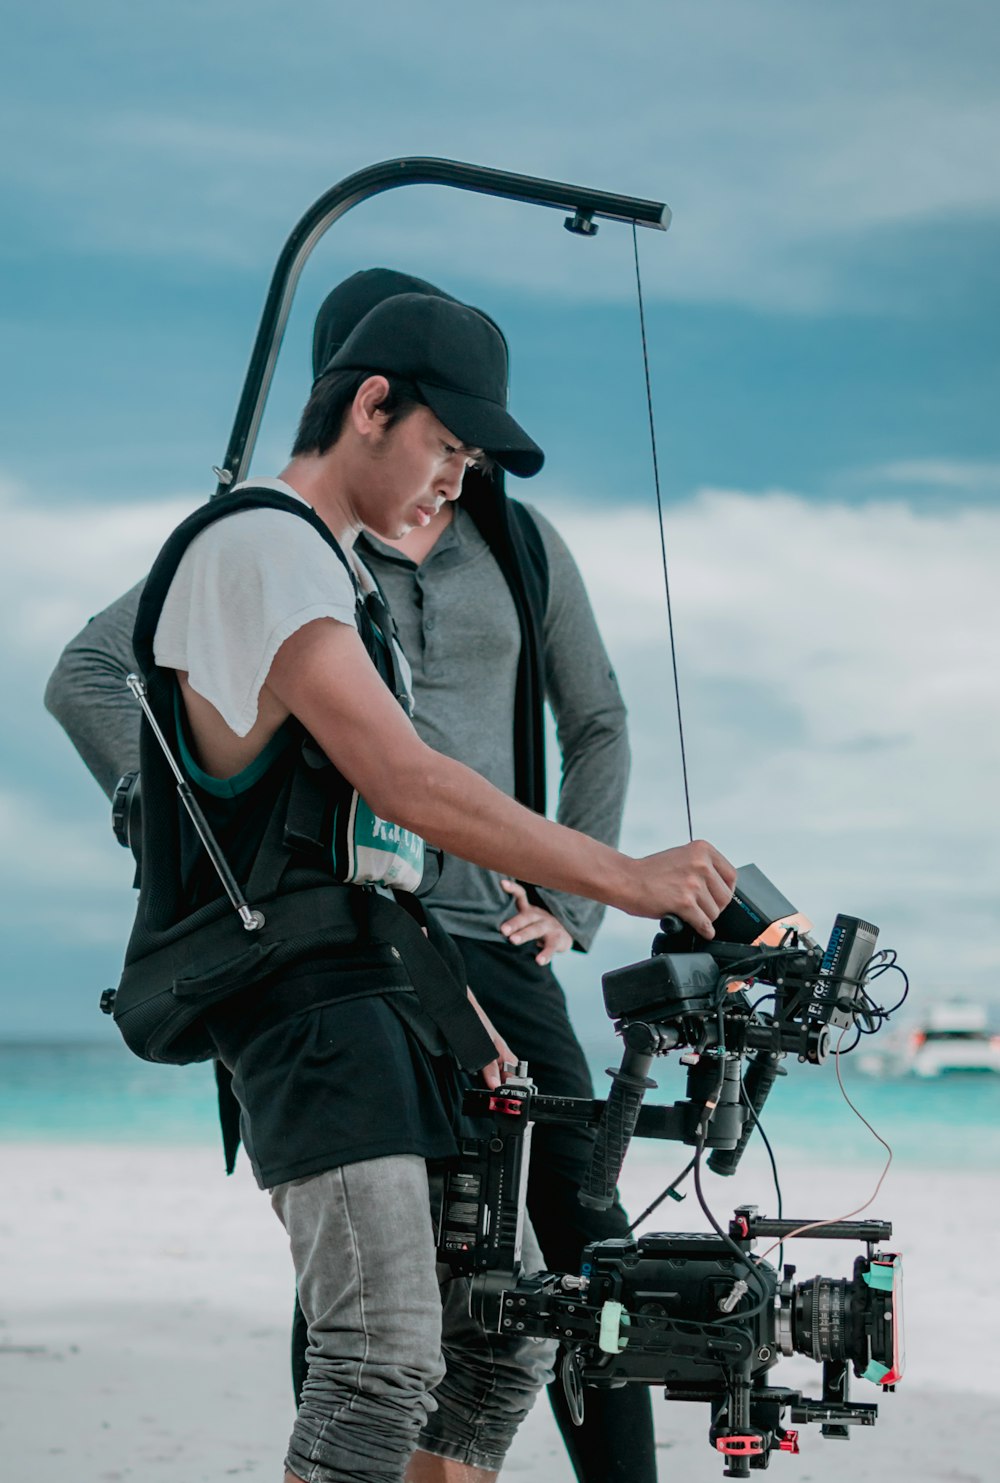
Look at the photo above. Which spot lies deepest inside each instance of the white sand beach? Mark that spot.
(146, 1303)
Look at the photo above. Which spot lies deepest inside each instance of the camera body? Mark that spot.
(695, 1313)
(674, 1309)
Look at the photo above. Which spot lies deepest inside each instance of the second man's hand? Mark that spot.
(534, 924)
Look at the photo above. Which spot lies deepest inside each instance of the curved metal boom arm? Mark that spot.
(585, 204)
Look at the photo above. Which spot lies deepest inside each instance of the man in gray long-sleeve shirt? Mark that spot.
(459, 608)
(459, 631)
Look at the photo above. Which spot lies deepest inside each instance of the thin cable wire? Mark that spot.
(663, 543)
(848, 1214)
(759, 1128)
(748, 1261)
(674, 1184)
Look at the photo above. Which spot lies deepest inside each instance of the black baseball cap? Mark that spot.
(456, 358)
(346, 305)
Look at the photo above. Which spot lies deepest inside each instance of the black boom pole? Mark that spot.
(585, 204)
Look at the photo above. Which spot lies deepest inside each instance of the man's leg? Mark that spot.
(491, 1382)
(423, 1468)
(363, 1249)
(498, 1367)
(615, 1444)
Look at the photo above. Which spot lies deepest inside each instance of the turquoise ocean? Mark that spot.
(98, 1092)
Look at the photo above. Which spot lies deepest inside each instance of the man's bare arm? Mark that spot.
(323, 675)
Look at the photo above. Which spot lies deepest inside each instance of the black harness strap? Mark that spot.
(252, 497)
(177, 971)
(516, 545)
(431, 968)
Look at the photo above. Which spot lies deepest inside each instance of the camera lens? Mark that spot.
(823, 1315)
(859, 1319)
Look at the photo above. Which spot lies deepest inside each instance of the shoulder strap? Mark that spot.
(371, 610)
(516, 544)
(165, 566)
(527, 541)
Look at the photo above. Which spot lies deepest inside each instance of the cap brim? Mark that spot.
(480, 423)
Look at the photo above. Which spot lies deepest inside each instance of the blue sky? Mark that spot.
(823, 332)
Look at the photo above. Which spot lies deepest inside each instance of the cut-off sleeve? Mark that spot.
(243, 587)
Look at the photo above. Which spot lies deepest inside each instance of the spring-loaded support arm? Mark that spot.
(584, 204)
(252, 920)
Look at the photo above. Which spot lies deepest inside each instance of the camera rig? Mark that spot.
(695, 1313)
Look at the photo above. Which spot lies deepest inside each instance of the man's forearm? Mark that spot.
(323, 675)
(455, 809)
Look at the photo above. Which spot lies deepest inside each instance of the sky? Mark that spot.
(822, 325)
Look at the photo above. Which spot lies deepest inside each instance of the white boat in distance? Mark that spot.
(951, 1037)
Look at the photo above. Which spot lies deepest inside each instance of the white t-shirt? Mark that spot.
(244, 585)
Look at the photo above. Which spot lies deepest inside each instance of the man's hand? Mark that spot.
(533, 923)
(493, 1073)
(693, 880)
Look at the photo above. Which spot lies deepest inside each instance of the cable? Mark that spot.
(759, 1126)
(744, 1257)
(848, 1214)
(762, 1000)
(699, 1151)
(870, 1017)
(758, 958)
(713, 1102)
(661, 1197)
(663, 542)
(885, 961)
(709, 1108)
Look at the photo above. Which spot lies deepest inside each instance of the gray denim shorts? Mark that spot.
(395, 1361)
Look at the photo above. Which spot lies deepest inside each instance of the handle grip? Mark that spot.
(629, 1084)
(762, 1072)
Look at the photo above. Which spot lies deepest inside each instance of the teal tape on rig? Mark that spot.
(613, 1320)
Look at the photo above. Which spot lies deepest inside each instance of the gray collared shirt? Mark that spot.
(459, 629)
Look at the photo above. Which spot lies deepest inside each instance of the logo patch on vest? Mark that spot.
(382, 852)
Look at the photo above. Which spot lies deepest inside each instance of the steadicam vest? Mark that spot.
(187, 955)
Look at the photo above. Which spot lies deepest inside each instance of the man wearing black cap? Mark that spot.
(492, 610)
(295, 674)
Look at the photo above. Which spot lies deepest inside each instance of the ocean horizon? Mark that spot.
(97, 1091)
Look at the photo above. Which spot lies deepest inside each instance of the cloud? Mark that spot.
(782, 137)
(52, 855)
(865, 618)
(837, 676)
(64, 883)
(952, 475)
(58, 567)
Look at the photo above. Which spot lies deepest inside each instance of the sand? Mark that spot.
(146, 1302)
